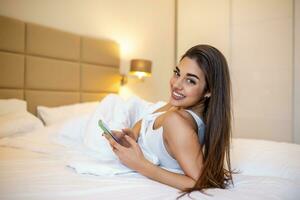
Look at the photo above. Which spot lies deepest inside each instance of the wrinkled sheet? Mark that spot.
(32, 166)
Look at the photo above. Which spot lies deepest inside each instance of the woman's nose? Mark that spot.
(177, 83)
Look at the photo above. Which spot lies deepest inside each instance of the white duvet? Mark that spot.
(40, 171)
(37, 165)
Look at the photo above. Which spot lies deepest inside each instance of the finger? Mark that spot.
(103, 134)
(115, 144)
(118, 134)
(106, 136)
(110, 140)
(115, 151)
(131, 141)
(112, 147)
(127, 130)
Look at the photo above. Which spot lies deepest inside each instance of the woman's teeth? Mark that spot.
(178, 96)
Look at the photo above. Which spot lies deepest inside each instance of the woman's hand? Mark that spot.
(131, 156)
(120, 136)
(130, 133)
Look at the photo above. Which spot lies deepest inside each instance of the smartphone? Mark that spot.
(106, 130)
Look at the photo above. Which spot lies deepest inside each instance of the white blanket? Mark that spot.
(33, 167)
(84, 131)
(88, 152)
(86, 155)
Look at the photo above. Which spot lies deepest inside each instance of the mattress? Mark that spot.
(35, 166)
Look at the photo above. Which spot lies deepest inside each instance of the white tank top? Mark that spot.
(152, 139)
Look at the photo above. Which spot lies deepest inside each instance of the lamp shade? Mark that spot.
(140, 67)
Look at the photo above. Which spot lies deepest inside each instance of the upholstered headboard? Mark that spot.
(50, 67)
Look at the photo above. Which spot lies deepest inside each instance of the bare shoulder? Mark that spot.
(179, 129)
(181, 142)
(178, 121)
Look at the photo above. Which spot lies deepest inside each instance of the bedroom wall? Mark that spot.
(262, 61)
(192, 29)
(144, 29)
(297, 72)
(255, 36)
(257, 39)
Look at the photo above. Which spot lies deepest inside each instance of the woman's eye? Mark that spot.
(176, 73)
(191, 81)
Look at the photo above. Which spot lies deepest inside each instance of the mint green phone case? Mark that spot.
(106, 130)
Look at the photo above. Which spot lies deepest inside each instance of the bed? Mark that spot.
(49, 78)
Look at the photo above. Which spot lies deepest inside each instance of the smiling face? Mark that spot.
(187, 84)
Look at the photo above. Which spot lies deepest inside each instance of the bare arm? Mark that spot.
(179, 181)
(183, 145)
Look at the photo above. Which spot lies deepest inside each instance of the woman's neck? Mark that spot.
(198, 109)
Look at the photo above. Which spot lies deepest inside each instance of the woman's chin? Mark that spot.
(182, 103)
(175, 102)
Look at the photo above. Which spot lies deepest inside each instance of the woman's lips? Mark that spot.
(177, 96)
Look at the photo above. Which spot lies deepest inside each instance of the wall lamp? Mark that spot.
(138, 67)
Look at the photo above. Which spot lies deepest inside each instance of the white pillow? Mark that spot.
(53, 115)
(12, 105)
(18, 122)
(266, 158)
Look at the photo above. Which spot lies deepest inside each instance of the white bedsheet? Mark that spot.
(33, 167)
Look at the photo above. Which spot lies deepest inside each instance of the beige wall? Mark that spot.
(145, 29)
(262, 65)
(203, 22)
(257, 38)
(297, 72)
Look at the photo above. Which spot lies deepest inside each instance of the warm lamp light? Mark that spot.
(140, 68)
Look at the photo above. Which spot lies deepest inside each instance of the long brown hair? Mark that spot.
(216, 170)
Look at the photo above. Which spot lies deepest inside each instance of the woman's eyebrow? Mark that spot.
(193, 75)
(188, 74)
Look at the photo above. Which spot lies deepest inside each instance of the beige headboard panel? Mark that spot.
(50, 67)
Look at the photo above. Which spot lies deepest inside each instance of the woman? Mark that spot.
(200, 94)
